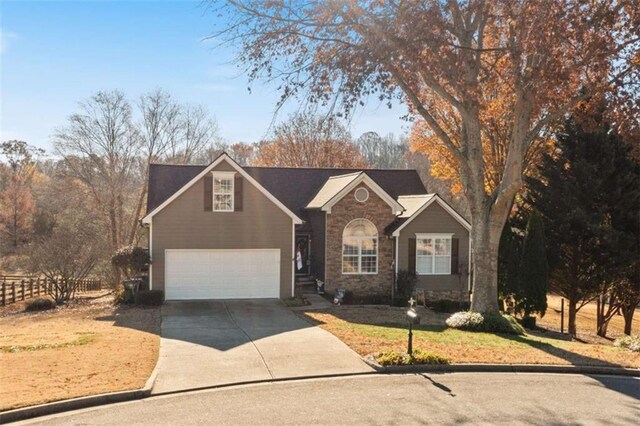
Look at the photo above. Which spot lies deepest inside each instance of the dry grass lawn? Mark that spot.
(86, 348)
(369, 330)
(585, 321)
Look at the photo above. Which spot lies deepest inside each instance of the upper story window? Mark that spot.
(360, 248)
(223, 192)
(433, 254)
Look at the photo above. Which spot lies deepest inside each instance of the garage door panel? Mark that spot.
(222, 274)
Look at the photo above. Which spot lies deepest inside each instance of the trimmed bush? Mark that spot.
(393, 357)
(448, 306)
(40, 305)
(631, 343)
(294, 302)
(528, 322)
(131, 260)
(489, 323)
(405, 285)
(150, 298)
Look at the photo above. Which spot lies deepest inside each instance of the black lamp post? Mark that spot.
(412, 318)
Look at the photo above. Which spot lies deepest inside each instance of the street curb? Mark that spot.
(78, 403)
(501, 368)
(145, 392)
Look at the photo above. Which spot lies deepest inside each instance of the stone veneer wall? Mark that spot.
(344, 211)
(458, 296)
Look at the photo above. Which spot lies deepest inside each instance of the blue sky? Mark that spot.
(54, 54)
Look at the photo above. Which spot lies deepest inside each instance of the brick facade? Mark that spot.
(458, 296)
(344, 211)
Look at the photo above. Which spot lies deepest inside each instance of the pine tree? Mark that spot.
(533, 273)
(587, 193)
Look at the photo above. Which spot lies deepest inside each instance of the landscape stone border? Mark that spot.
(501, 368)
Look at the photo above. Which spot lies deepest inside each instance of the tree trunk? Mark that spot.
(572, 317)
(627, 313)
(138, 211)
(485, 236)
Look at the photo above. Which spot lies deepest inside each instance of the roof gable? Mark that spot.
(223, 157)
(294, 187)
(330, 189)
(395, 228)
(337, 187)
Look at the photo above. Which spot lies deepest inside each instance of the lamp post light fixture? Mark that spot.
(412, 318)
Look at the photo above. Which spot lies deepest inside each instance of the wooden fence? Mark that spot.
(14, 288)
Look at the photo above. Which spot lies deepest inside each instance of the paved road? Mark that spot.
(220, 342)
(485, 398)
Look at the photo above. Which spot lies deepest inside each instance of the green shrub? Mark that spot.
(490, 323)
(405, 285)
(150, 298)
(631, 343)
(448, 306)
(528, 322)
(131, 260)
(393, 357)
(294, 302)
(40, 305)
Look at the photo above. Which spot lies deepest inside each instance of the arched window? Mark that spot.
(360, 248)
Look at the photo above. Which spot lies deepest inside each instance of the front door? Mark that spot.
(302, 254)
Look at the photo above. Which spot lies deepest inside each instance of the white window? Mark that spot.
(360, 248)
(433, 254)
(223, 192)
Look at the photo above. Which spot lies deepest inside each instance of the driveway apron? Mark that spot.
(212, 343)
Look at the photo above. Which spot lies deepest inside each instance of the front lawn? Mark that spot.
(370, 330)
(85, 348)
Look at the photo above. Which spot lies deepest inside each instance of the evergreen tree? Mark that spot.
(531, 294)
(508, 263)
(587, 193)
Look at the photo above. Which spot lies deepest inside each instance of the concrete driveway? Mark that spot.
(220, 342)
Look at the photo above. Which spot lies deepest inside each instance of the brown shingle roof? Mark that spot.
(294, 187)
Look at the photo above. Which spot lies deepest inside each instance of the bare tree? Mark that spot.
(74, 243)
(450, 59)
(306, 140)
(100, 145)
(383, 152)
(159, 130)
(197, 132)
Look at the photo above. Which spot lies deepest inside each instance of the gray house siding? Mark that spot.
(184, 224)
(435, 219)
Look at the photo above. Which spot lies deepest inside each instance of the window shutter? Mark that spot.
(208, 193)
(237, 194)
(412, 255)
(454, 256)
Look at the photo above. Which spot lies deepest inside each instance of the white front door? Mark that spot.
(222, 274)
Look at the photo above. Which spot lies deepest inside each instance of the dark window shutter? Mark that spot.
(237, 194)
(455, 242)
(208, 193)
(412, 255)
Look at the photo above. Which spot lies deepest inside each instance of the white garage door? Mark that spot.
(222, 274)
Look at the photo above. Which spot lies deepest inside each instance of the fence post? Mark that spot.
(13, 292)
(4, 292)
(562, 316)
(38, 286)
(31, 288)
(22, 286)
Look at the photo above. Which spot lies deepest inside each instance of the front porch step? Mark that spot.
(306, 285)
